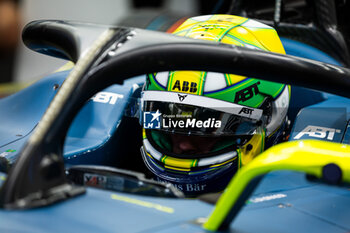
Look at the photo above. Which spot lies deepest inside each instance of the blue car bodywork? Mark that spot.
(283, 202)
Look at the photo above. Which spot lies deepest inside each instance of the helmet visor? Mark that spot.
(187, 119)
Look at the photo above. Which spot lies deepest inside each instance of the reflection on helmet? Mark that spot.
(200, 127)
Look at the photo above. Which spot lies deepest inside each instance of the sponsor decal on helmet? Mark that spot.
(204, 102)
(248, 111)
(155, 120)
(184, 86)
(247, 93)
(181, 97)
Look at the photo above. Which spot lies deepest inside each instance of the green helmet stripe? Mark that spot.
(246, 82)
(228, 80)
(201, 82)
(239, 39)
(228, 93)
(194, 163)
(152, 83)
(170, 80)
(290, 92)
(163, 158)
(229, 88)
(279, 91)
(225, 32)
(156, 82)
(157, 165)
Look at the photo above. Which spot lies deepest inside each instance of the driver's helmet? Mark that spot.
(200, 127)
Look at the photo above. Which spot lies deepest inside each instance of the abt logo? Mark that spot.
(248, 111)
(107, 97)
(318, 132)
(151, 120)
(247, 93)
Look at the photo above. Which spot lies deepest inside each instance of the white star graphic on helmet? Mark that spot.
(156, 115)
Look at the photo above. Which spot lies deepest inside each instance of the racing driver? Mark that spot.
(200, 127)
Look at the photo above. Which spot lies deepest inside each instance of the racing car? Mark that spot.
(83, 137)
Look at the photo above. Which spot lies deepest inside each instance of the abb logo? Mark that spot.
(318, 132)
(185, 86)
